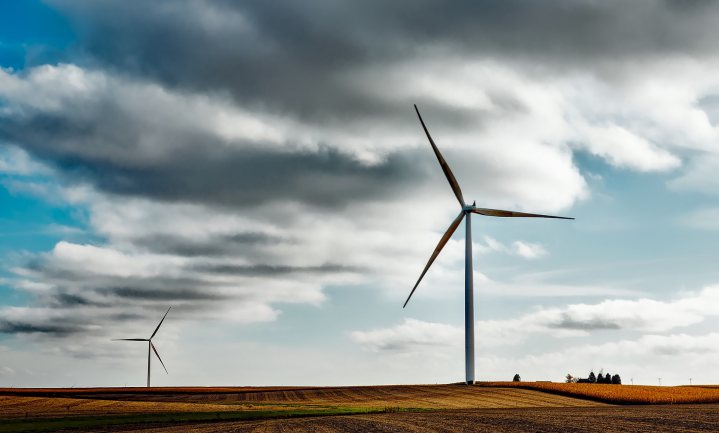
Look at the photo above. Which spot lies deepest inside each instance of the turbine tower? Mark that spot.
(468, 277)
(150, 347)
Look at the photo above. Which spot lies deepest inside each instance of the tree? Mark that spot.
(516, 378)
(592, 377)
(608, 378)
(600, 378)
(616, 380)
(569, 379)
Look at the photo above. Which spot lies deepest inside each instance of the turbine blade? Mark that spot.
(130, 339)
(509, 213)
(445, 167)
(158, 357)
(160, 324)
(440, 245)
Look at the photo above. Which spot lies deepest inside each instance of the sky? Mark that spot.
(259, 167)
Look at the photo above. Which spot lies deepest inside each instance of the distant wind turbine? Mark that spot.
(150, 347)
(468, 277)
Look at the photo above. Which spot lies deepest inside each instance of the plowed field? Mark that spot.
(649, 419)
(411, 396)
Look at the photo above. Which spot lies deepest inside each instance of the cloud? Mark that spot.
(643, 315)
(193, 53)
(574, 320)
(700, 177)
(229, 179)
(623, 148)
(526, 250)
(198, 201)
(137, 138)
(15, 161)
(409, 336)
(641, 360)
(529, 250)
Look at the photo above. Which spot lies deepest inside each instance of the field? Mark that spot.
(622, 394)
(640, 419)
(499, 406)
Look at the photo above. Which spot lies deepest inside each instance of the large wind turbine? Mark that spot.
(468, 277)
(150, 347)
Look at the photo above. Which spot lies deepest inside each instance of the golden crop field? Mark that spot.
(25, 407)
(622, 394)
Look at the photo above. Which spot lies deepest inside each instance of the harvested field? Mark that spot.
(497, 406)
(409, 396)
(654, 419)
(35, 407)
(51, 409)
(121, 401)
(621, 394)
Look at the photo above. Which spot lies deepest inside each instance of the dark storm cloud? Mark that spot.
(169, 294)
(254, 176)
(199, 169)
(295, 55)
(216, 246)
(298, 59)
(568, 321)
(675, 349)
(70, 300)
(57, 329)
(270, 270)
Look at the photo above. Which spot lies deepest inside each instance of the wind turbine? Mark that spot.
(468, 277)
(150, 347)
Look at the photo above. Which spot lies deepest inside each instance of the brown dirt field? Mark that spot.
(654, 419)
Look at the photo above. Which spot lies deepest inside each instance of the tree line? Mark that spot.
(601, 378)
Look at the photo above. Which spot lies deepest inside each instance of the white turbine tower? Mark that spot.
(150, 347)
(468, 278)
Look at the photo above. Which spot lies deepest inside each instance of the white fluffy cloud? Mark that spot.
(655, 352)
(409, 336)
(574, 320)
(529, 250)
(700, 176)
(524, 249)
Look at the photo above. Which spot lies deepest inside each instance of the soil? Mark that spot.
(654, 419)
